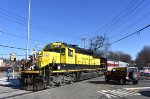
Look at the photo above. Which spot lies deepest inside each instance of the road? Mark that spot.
(95, 88)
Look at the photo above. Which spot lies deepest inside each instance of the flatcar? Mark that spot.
(58, 64)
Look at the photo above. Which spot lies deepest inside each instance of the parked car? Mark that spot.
(146, 72)
(123, 75)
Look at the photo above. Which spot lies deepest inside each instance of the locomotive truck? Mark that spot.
(58, 64)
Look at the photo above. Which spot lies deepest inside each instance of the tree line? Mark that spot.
(100, 46)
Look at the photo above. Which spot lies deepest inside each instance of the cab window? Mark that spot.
(47, 48)
(57, 50)
(70, 52)
(63, 51)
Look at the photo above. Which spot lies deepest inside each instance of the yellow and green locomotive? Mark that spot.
(58, 64)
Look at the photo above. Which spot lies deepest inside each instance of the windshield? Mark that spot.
(133, 69)
(148, 68)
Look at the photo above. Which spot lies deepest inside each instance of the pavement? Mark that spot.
(95, 88)
(12, 82)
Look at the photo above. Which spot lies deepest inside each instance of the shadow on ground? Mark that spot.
(107, 83)
(145, 93)
(12, 83)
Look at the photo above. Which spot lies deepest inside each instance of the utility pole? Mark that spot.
(84, 40)
(27, 46)
(12, 60)
(35, 47)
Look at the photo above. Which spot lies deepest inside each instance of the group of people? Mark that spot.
(28, 64)
(24, 63)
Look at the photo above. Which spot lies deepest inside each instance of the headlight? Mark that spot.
(127, 77)
(58, 67)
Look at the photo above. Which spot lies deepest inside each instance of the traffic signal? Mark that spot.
(12, 57)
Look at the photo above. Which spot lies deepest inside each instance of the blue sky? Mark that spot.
(69, 20)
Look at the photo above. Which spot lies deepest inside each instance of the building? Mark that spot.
(1, 62)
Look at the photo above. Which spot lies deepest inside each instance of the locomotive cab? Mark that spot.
(56, 55)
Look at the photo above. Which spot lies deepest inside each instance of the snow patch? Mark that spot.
(13, 82)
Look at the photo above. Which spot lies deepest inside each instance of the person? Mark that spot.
(8, 71)
(23, 64)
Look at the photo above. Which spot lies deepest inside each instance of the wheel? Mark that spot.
(73, 78)
(146, 77)
(61, 81)
(51, 84)
(45, 86)
(107, 79)
(35, 87)
(44, 83)
(135, 76)
(135, 82)
(122, 81)
(141, 77)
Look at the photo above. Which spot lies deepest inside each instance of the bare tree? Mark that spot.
(120, 56)
(99, 45)
(143, 57)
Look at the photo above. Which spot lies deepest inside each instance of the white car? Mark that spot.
(146, 71)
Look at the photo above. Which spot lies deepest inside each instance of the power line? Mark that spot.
(15, 54)
(126, 16)
(4, 54)
(19, 36)
(120, 14)
(130, 26)
(122, 22)
(13, 47)
(109, 44)
(9, 19)
(130, 35)
(22, 21)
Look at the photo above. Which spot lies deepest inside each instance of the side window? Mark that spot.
(118, 69)
(70, 52)
(123, 69)
(63, 51)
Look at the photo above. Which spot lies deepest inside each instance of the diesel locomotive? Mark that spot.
(58, 64)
